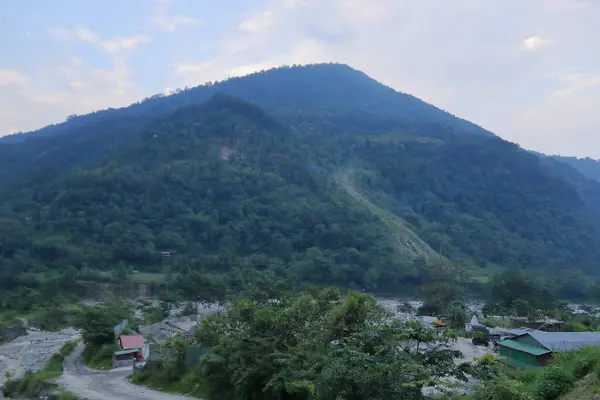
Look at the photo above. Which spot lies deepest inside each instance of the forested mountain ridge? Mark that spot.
(327, 99)
(229, 188)
(221, 186)
(486, 199)
(586, 166)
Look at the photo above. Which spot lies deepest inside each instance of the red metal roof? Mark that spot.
(131, 341)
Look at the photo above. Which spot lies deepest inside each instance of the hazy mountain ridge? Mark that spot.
(323, 98)
(230, 186)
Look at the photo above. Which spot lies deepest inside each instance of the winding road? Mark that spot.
(105, 385)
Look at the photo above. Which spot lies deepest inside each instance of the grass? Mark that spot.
(99, 357)
(586, 388)
(41, 383)
(155, 376)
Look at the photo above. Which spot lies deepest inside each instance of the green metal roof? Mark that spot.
(128, 351)
(524, 347)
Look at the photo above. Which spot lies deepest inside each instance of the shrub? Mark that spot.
(501, 389)
(554, 382)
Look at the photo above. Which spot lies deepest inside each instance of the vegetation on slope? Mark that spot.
(231, 194)
(222, 187)
(572, 375)
(588, 167)
(323, 98)
(486, 200)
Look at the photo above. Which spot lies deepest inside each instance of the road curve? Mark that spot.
(105, 385)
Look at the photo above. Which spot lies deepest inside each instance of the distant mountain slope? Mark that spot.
(323, 98)
(222, 186)
(487, 200)
(587, 166)
(226, 186)
(579, 173)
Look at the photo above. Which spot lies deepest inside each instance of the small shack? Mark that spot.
(126, 358)
(533, 349)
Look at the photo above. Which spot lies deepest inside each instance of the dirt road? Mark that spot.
(105, 385)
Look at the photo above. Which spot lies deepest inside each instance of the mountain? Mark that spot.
(222, 187)
(325, 99)
(361, 186)
(586, 166)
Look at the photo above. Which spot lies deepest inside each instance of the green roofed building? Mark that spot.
(535, 348)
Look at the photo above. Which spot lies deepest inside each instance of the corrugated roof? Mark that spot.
(563, 341)
(132, 341)
(128, 351)
(524, 347)
(520, 331)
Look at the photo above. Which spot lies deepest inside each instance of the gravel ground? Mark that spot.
(469, 352)
(31, 352)
(105, 385)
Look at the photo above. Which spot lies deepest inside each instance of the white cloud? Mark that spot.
(12, 76)
(124, 44)
(576, 83)
(258, 22)
(249, 69)
(86, 35)
(163, 19)
(534, 43)
(195, 74)
(71, 87)
(119, 44)
(184, 69)
(56, 92)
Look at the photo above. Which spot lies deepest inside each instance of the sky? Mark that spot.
(528, 70)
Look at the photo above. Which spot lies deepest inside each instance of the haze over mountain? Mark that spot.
(318, 171)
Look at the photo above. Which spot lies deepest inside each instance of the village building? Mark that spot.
(132, 348)
(532, 348)
(127, 342)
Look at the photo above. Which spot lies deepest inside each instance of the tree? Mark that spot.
(201, 288)
(318, 345)
(456, 317)
(97, 325)
(439, 297)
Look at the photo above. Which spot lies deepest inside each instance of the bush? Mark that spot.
(501, 389)
(554, 382)
(99, 357)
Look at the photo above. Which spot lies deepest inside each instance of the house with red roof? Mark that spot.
(127, 342)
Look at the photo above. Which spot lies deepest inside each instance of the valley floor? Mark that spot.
(31, 352)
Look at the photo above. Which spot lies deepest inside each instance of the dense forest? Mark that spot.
(245, 185)
(324, 98)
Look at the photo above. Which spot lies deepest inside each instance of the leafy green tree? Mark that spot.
(201, 288)
(97, 325)
(318, 346)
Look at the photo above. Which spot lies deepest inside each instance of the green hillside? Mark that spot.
(328, 99)
(360, 190)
